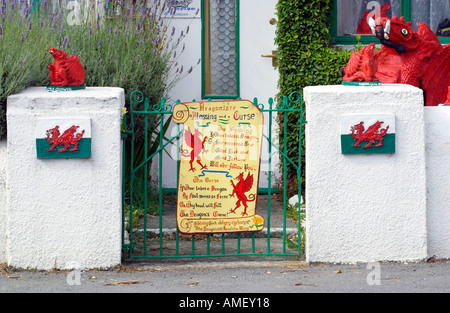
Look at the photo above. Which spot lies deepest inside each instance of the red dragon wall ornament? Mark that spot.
(65, 70)
(360, 134)
(406, 57)
(67, 139)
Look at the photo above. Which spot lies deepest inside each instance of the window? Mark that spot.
(350, 17)
(220, 46)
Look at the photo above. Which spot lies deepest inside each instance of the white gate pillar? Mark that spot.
(365, 207)
(64, 213)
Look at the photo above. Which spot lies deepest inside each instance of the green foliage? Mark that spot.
(305, 58)
(300, 219)
(125, 47)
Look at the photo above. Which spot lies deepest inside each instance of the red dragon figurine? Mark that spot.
(240, 189)
(65, 70)
(406, 57)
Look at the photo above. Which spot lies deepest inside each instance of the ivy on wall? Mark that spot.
(305, 58)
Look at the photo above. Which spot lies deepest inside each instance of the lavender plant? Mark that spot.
(128, 45)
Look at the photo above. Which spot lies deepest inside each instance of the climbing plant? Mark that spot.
(306, 57)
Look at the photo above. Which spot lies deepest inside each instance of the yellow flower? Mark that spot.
(258, 219)
(124, 110)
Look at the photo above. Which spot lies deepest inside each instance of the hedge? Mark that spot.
(306, 57)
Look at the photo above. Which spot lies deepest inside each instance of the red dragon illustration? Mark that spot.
(371, 134)
(197, 145)
(240, 189)
(65, 70)
(406, 57)
(66, 139)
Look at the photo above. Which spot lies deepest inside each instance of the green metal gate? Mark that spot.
(149, 209)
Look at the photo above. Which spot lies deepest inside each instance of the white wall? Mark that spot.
(437, 125)
(3, 200)
(64, 213)
(363, 208)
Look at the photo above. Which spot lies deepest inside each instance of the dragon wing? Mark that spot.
(248, 183)
(188, 137)
(74, 68)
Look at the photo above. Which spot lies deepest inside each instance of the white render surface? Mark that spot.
(3, 200)
(64, 213)
(437, 125)
(364, 208)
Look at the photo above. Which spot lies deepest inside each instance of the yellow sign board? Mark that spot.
(219, 167)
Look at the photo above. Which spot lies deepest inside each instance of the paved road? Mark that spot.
(237, 278)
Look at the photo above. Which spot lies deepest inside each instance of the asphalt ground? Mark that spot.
(276, 279)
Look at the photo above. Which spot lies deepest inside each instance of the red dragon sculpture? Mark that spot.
(66, 139)
(406, 57)
(197, 145)
(65, 70)
(240, 189)
(448, 97)
(371, 134)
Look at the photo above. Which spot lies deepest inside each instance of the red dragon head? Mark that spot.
(57, 54)
(395, 33)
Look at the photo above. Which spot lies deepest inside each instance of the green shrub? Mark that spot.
(305, 58)
(133, 50)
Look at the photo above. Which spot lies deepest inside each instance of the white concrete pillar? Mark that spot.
(365, 207)
(64, 213)
(437, 125)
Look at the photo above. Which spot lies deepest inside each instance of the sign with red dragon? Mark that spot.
(368, 134)
(219, 167)
(63, 138)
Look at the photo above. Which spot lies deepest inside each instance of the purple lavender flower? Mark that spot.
(155, 40)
